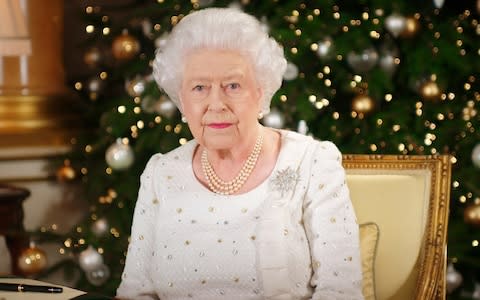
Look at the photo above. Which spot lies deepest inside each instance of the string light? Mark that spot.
(89, 29)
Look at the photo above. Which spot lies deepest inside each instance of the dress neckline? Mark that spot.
(258, 189)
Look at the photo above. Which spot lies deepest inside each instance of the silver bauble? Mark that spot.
(100, 227)
(476, 155)
(302, 127)
(476, 291)
(99, 275)
(387, 63)
(264, 24)
(291, 72)
(325, 48)
(454, 278)
(89, 259)
(165, 107)
(363, 61)
(95, 85)
(438, 3)
(135, 87)
(235, 5)
(119, 156)
(395, 23)
(161, 40)
(274, 119)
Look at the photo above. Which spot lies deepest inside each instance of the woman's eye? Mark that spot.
(233, 86)
(199, 88)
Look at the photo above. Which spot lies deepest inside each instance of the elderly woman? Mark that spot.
(242, 211)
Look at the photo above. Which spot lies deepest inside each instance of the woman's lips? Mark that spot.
(219, 125)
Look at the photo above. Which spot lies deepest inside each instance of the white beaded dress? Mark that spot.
(294, 236)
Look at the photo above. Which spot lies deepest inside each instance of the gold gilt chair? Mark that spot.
(406, 198)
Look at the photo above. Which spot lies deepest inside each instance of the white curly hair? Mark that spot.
(221, 28)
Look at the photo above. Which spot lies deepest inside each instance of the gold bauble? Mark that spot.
(412, 26)
(66, 172)
(363, 104)
(471, 214)
(125, 47)
(430, 90)
(32, 261)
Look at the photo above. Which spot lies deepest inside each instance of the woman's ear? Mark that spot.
(260, 100)
(260, 92)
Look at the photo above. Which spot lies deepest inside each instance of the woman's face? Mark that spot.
(220, 98)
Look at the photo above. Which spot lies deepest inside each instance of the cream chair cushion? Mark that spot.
(369, 235)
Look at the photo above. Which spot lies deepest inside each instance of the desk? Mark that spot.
(68, 293)
(11, 221)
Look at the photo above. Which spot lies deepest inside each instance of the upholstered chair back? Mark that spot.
(407, 197)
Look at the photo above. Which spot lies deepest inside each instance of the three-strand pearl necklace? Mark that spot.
(219, 186)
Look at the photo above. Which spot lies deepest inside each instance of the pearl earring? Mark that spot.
(184, 119)
(260, 115)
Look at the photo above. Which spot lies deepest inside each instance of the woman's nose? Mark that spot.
(216, 99)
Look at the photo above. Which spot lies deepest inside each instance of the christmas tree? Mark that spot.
(373, 76)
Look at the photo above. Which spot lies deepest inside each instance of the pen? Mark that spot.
(19, 287)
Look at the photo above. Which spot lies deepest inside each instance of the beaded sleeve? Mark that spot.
(331, 229)
(136, 282)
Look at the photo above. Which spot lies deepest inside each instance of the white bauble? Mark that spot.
(235, 5)
(165, 107)
(274, 119)
(89, 259)
(387, 62)
(135, 87)
(454, 278)
(264, 24)
(476, 155)
(119, 156)
(99, 275)
(363, 61)
(302, 127)
(100, 227)
(395, 23)
(476, 291)
(95, 85)
(438, 3)
(325, 48)
(161, 40)
(291, 72)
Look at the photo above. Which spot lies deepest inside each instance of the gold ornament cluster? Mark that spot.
(125, 46)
